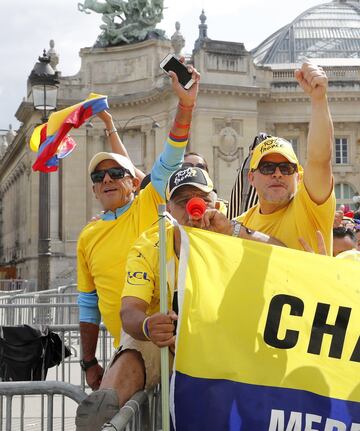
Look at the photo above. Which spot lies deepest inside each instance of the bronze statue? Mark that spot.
(126, 21)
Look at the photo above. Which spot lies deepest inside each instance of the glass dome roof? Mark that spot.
(329, 30)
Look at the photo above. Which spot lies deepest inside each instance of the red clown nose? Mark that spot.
(196, 208)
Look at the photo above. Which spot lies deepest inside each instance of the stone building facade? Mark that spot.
(241, 94)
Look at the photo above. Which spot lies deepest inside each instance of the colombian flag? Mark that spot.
(268, 338)
(51, 140)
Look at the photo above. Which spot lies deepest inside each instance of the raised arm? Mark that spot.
(114, 140)
(172, 156)
(317, 172)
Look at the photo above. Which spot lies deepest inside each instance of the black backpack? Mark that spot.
(26, 352)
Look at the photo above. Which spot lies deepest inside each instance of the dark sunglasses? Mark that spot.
(194, 165)
(286, 168)
(114, 174)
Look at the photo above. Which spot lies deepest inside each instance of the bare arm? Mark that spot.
(317, 173)
(215, 221)
(89, 335)
(160, 326)
(115, 142)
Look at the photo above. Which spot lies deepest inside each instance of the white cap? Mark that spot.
(119, 159)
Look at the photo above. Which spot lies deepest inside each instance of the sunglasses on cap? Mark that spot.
(269, 168)
(194, 165)
(116, 173)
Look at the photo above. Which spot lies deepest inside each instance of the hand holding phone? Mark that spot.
(171, 63)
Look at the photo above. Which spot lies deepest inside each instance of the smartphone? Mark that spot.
(170, 62)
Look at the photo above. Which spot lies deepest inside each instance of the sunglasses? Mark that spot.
(269, 168)
(194, 165)
(114, 174)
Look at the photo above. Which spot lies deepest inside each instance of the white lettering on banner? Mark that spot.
(310, 420)
(296, 422)
(277, 421)
(332, 425)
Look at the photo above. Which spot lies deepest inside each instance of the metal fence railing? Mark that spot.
(49, 307)
(25, 406)
(142, 412)
(14, 285)
(35, 406)
(51, 406)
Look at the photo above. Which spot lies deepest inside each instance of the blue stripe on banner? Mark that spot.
(222, 405)
(97, 105)
(47, 142)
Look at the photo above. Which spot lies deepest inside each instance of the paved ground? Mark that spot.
(34, 424)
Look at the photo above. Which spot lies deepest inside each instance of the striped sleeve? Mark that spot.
(169, 160)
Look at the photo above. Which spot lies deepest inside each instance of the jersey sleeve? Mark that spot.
(140, 278)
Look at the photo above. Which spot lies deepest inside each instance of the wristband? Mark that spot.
(186, 108)
(236, 227)
(85, 365)
(181, 126)
(110, 132)
(178, 138)
(145, 328)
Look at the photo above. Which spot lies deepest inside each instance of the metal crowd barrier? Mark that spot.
(16, 394)
(45, 313)
(139, 414)
(17, 285)
(55, 306)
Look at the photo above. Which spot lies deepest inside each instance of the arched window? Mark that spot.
(344, 195)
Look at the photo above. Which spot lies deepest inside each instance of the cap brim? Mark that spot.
(118, 158)
(290, 159)
(203, 187)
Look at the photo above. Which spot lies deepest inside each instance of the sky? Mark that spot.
(26, 27)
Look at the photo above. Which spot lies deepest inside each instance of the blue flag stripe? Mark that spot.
(205, 404)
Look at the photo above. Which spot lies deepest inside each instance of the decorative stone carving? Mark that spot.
(126, 22)
(202, 31)
(227, 132)
(54, 56)
(228, 140)
(226, 63)
(177, 40)
(126, 70)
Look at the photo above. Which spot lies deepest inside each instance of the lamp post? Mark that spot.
(154, 125)
(44, 87)
(145, 146)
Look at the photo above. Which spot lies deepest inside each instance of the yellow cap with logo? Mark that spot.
(270, 146)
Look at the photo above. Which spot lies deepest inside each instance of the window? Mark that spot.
(344, 195)
(341, 151)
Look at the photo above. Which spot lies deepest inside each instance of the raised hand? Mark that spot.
(312, 79)
(186, 97)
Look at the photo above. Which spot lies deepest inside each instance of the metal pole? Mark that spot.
(164, 309)
(44, 252)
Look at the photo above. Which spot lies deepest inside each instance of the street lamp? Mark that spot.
(44, 87)
(154, 125)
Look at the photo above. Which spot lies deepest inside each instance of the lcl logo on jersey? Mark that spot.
(137, 278)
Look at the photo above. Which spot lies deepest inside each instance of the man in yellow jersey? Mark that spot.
(294, 203)
(140, 315)
(103, 246)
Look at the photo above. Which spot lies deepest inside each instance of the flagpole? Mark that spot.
(164, 309)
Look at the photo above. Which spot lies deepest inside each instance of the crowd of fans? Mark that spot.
(346, 233)
(275, 201)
